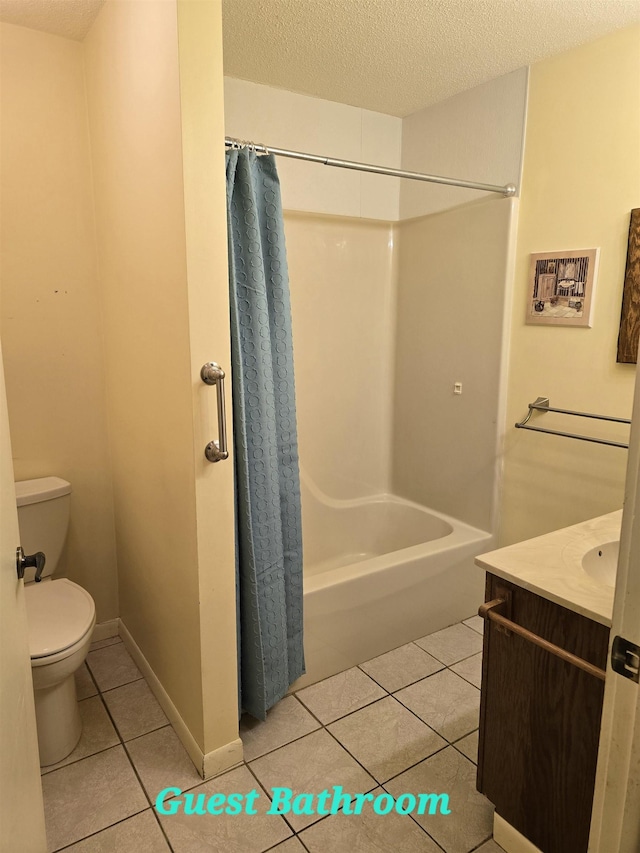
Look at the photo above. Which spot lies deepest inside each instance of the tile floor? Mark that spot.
(404, 722)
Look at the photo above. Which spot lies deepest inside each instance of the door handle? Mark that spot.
(213, 374)
(29, 561)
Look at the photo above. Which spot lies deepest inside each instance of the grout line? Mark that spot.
(162, 829)
(439, 846)
(115, 686)
(304, 846)
(349, 713)
(462, 660)
(98, 831)
(150, 732)
(78, 760)
(275, 748)
(409, 683)
(133, 767)
(275, 846)
(262, 788)
(482, 843)
(147, 795)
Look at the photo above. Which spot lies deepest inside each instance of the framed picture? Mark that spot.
(561, 287)
(630, 319)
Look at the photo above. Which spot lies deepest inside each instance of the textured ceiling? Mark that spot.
(69, 18)
(398, 56)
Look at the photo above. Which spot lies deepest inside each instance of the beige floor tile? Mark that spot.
(367, 833)
(139, 834)
(470, 669)
(475, 622)
(90, 795)
(286, 721)
(310, 765)
(242, 833)
(471, 819)
(340, 694)
(401, 667)
(386, 738)
(162, 761)
(135, 710)
(291, 845)
(112, 666)
(97, 733)
(452, 644)
(446, 703)
(469, 746)
(100, 644)
(85, 686)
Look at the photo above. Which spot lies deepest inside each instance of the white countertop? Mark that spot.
(551, 566)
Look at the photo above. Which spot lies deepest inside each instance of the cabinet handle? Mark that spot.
(487, 611)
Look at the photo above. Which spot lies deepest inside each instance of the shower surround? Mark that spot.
(399, 474)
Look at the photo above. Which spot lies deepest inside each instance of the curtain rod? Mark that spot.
(508, 190)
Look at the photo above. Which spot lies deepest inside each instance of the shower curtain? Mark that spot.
(267, 483)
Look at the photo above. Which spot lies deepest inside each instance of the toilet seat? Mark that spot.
(59, 616)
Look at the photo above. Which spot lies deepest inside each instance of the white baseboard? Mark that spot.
(105, 630)
(207, 765)
(510, 839)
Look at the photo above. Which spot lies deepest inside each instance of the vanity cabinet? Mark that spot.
(540, 720)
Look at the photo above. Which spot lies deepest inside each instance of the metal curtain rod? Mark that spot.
(508, 190)
(542, 405)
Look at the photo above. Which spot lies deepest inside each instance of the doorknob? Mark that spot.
(29, 561)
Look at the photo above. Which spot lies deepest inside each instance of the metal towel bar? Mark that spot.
(213, 374)
(487, 611)
(542, 405)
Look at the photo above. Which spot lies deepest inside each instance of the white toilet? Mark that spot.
(60, 617)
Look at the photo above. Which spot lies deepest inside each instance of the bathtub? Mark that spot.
(379, 572)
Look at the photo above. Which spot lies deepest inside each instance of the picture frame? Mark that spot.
(629, 335)
(561, 287)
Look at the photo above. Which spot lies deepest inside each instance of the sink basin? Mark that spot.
(601, 562)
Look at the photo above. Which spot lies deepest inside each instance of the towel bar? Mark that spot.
(542, 405)
(487, 611)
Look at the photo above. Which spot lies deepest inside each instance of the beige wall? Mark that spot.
(202, 112)
(50, 306)
(160, 280)
(343, 306)
(581, 178)
(452, 286)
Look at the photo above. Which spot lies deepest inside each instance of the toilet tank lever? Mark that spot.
(30, 561)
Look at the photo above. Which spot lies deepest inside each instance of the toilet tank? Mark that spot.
(43, 517)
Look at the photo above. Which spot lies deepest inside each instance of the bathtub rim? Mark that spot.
(462, 535)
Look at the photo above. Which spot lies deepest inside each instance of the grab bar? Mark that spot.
(487, 611)
(213, 374)
(542, 405)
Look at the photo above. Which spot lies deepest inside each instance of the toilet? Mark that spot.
(60, 617)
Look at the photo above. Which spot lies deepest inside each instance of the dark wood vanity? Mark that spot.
(540, 719)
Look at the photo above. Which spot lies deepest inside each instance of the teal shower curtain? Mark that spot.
(268, 525)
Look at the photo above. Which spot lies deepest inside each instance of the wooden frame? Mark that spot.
(561, 286)
(630, 318)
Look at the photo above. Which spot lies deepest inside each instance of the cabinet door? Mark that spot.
(540, 722)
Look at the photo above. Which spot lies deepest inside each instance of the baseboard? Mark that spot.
(105, 630)
(510, 839)
(207, 764)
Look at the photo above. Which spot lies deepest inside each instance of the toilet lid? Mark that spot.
(59, 613)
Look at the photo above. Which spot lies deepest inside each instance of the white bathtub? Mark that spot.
(378, 573)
